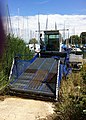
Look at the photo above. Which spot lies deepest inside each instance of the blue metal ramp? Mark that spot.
(38, 78)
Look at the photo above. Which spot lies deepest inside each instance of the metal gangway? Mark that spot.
(38, 78)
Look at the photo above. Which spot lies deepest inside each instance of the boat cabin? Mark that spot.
(51, 40)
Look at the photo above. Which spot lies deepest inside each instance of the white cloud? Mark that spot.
(42, 2)
(26, 26)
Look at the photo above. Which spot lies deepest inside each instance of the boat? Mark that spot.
(76, 51)
(41, 76)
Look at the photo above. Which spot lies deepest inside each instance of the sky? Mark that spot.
(70, 14)
(33, 7)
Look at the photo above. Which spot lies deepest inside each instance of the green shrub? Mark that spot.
(72, 102)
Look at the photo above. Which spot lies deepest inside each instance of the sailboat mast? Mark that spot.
(47, 23)
(38, 30)
(18, 24)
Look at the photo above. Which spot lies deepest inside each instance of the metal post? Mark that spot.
(58, 71)
(11, 69)
(57, 82)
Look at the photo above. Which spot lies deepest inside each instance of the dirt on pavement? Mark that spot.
(14, 108)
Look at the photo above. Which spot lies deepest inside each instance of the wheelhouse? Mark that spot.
(52, 40)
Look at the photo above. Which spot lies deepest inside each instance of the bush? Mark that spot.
(72, 102)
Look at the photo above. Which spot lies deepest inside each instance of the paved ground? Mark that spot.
(24, 109)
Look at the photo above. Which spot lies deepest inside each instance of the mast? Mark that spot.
(55, 26)
(27, 30)
(18, 24)
(64, 30)
(38, 30)
(47, 23)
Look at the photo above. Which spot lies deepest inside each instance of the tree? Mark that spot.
(14, 46)
(34, 42)
(74, 39)
(83, 37)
